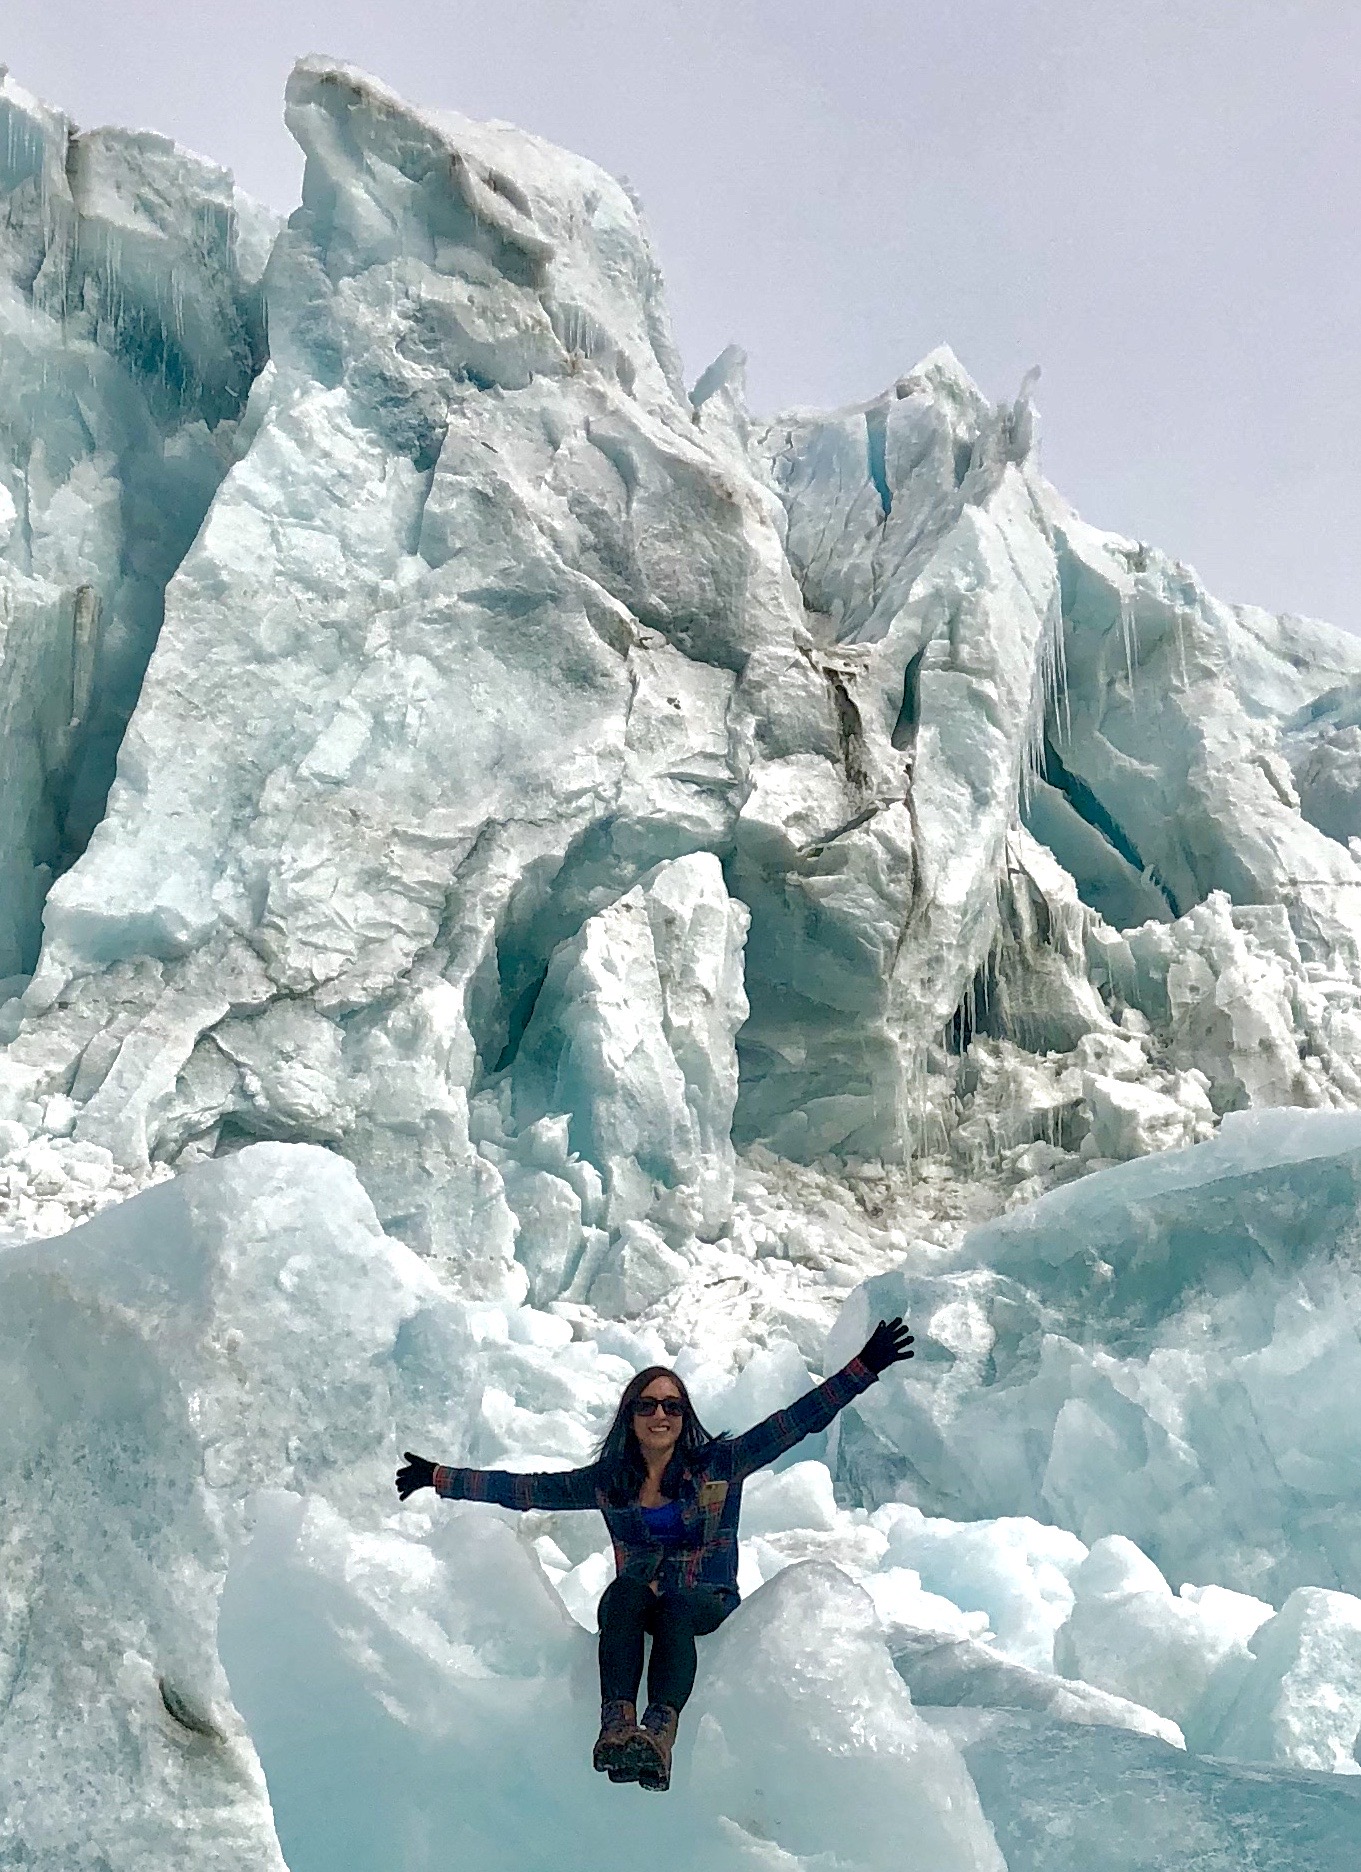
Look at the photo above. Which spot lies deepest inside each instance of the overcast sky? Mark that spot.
(1156, 201)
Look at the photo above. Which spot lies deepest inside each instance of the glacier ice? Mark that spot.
(212, 1380)
(632, 1036)
(346, 1654)
(945, 1671)
(835, 653)
(216, 1377)
(1143, 1806)
(1127, 1633)
(1299, 1700)
(132, 324)
(217, 1369)
(1017, 1571)
(1323, 745)
(1155, 1352)
(511, 871)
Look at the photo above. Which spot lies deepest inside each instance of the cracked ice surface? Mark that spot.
(703, 881)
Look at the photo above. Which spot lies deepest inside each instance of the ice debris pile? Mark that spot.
(510, 870)
(272, 1665)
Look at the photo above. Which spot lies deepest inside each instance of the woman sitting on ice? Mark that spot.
(670, 1494)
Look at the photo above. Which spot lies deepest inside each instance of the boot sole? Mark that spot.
(616, 1760)
(648, 1769)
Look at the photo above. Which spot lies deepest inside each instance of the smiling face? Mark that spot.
(657, 1431)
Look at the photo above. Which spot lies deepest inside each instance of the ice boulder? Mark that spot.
(1131, 1120)
(221, 1332)
(1130, 1634)
(774, 1502)
(1154, 1351)
(392, 1680)
(1016, 1570)
(423, 1683)
(771, 1378)
(952, 1672)
(803, 1698)
(1299, 1702)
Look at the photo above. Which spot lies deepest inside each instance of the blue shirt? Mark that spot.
(665, 1524)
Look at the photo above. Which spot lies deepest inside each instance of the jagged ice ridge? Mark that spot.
(510, 869)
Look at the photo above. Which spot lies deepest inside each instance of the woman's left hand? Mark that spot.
(887, 1345)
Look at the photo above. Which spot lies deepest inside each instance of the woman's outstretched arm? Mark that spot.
(562, 1488)
(887, 1344)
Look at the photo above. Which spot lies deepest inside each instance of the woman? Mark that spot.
(671, 1495)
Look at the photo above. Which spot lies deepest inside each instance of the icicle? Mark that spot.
(918, 1142)
(1181, 647)
(1061, 677)
(1130, 640)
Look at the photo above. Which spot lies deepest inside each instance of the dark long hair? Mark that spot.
(621, 1457)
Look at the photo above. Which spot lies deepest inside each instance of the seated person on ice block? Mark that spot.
(670, 1494)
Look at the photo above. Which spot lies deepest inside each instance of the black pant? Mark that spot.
(628, 1608)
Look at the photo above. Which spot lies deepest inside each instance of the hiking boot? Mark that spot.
(652, 1745)
(613, 1752)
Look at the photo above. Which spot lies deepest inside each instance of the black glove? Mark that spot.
(889, 1342)
(414, 1473)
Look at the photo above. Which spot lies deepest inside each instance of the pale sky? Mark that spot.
(1156, 201)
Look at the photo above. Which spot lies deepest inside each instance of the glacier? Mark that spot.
(512, 870)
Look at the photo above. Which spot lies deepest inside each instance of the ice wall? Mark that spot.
(131, 327)
(489, 620)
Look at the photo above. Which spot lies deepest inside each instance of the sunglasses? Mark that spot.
(669, 1406)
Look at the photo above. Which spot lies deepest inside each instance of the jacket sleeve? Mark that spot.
(812, 1412)
(562, 1488)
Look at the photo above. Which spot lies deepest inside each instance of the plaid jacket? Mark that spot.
(710, 1493)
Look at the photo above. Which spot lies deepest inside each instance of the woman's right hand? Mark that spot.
(415, 1473)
